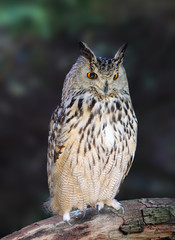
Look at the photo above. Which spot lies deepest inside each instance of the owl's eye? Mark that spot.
(115, 76)
(92, 75)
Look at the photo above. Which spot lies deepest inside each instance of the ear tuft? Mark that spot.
(86, 52)
(120, 53)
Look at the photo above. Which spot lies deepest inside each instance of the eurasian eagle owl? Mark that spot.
(93, 135)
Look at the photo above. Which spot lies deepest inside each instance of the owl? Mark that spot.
(93, 135)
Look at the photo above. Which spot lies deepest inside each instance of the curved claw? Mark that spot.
(84, 213)
(123, 209)
(98, 208)
(67, 221)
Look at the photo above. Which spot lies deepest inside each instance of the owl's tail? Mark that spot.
(46, 207)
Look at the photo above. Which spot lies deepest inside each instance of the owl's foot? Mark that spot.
(84, 213)
(115, 204)
(66, 218)
(99, 206)
(76, 213)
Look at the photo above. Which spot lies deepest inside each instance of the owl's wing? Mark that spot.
(128, 154)
(54, 147)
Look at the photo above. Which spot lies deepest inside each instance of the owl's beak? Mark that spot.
(106, 87)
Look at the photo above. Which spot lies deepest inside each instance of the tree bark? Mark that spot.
(143, 219)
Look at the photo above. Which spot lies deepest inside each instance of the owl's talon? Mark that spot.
(66, 218)
(99, 206)
(68, 222)
(115, 204)
(76, 213)
(84, 214)
(123, 209)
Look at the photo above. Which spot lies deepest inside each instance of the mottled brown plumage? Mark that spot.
(93, 134)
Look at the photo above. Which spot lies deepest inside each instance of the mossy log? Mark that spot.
(143, 219)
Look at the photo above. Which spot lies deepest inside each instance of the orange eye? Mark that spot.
(92, 75)
(115, 76)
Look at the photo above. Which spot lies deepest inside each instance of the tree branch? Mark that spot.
(144, 219)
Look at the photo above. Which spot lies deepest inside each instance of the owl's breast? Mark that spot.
(97, 129)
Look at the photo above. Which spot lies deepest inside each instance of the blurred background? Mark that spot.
(38, 45)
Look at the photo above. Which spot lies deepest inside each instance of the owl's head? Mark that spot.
(102, 74)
